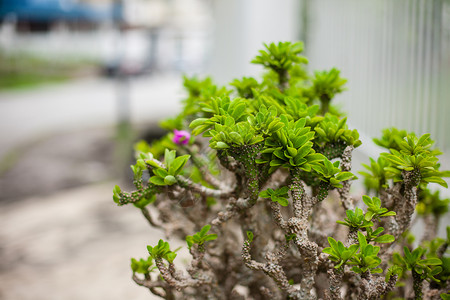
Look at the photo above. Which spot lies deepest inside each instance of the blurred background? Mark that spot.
(81, 80)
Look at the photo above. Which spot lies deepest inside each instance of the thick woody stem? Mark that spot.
(198, 188)
(299, 225)
(346, 166)
(246, 156)
(271, 269)
(283, 78)
(152, 285)
(182, 282)
(352, 237)
(325, 104)
(417, 285)
(231, 210)
(335, 277)
(165, 273)
(297, 191)
(366, 286)
(404, 214)
(277, 216)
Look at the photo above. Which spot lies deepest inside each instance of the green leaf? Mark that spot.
(170, 257)
(222, 145)
(437, 180)
(190, 241)
(237, 138)
(178, 164)
(290, 237)
(377, 270)
(281, 200)
(157, 180)
(292, 151)
(265, 194)
(389, 213)
(333, 243)
(197, 122)
(205, 230)
(283, 190)
(170, 180)
(250, 236)
(342, 223)
(210, 237)
(431, 261)
(344, 176)
(141, 203)
(369, 215)
(117, 189)
(160, 172)
(387, 238)
(169, 156)
(362, 240)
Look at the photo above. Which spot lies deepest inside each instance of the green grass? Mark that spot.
(25, 70)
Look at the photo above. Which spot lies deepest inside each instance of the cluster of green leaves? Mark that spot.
(162, 250)
(339, 253)
(172, 167)
(200, 91)
(200, 237)
(366, 259)
(406, 153)
(391, 138)
(140, 166)
(279, 195)
(378, 176)
(326, 84)
(246, 87)
(355, 219)
(435, 249)
(334, 130)
(281, 118)
(393, 270)
(374, 236)
(291, 145)
(265, 121)
(412, 260)
(358, 220)
(280, 57)
(228, 125)
(332, 174)
(374, 209)
(415, 155)
(142, 266)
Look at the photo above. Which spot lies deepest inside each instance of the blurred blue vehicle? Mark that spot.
(50, 11)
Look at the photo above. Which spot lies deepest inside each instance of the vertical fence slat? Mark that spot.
(396, 57)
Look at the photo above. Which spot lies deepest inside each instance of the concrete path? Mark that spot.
(73, 245)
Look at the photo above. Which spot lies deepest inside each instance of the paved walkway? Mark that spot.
(29, 114)
(75, 245)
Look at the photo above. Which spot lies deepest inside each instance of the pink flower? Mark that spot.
(181, 137)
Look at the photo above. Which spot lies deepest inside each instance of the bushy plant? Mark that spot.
(257, 180)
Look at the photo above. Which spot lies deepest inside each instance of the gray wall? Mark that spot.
(241, 28)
